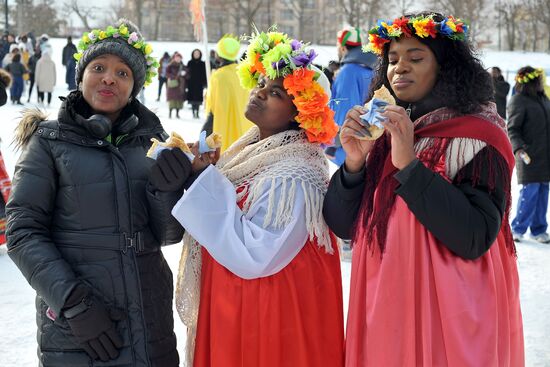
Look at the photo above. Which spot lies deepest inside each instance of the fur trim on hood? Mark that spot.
(27, 126)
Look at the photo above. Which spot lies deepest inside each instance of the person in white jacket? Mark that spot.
(45, 76)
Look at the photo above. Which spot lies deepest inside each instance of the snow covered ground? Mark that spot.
(17, 315)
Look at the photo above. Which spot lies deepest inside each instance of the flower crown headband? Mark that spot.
(525, 78)
(133, 39)
(275, 55)
(422, 27)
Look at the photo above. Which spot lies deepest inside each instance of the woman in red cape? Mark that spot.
(269, 282)
(434, 279)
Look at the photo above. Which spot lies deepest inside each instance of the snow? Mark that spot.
(17, 313)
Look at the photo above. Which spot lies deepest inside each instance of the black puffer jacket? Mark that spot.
(81, 212)
(529, 129)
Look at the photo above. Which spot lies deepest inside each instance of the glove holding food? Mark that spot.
(206, 144)
(372, 119)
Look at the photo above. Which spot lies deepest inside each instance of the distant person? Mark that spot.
(351, 85)
(213, 60)
(45, 77)
(333, 67)
(24, 50)
(529, 129)
(44, 43)
(226, 99)
(26, 43)
(5, 183)
(196, 81)
(14, 49)
(68, 61)
(16, 70)
(32, 69)
(7, 40)
(175, 84)
(164, 61)
(502, 88)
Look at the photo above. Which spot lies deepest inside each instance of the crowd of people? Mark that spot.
(425, 206)
(28, 61)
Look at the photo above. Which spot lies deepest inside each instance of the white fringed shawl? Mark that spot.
(251, 164)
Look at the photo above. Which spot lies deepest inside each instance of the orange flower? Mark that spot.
(300, 79)
(257, 66)
(312, 100)
(319, 127)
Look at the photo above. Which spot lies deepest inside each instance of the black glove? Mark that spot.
(171, 170)
(93, 325)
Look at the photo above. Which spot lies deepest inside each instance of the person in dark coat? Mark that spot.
(32, 68)
(68, 61)
(196, 82)
(89, 212)
(176, 74)
(164, 61)
(529, 132)
(501, 88)
(17, 70)
(5, 81)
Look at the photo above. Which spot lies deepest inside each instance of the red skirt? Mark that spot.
(292, 318)
(420, 305)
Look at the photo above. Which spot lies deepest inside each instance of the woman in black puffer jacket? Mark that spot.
(86, 223)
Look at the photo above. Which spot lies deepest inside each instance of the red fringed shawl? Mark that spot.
(441, 126)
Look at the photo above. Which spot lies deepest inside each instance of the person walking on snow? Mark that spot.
(529, 132)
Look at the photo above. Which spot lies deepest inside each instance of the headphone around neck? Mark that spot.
(100, 126)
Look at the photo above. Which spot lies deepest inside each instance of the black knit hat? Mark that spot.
(133, 57)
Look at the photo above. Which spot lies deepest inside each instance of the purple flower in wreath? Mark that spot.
(279, 65)
(296, 45)
(304, 59)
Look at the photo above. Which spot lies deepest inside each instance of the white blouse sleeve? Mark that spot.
(209, 212)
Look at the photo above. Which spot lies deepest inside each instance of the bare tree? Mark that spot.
(473, 10)
(157, 6)
(86, 13)
(119, 9)
(510, 13)
(40, 18)
(542, 8)
(361, 13)
(247, 10)
(403, 6)
(302, 11)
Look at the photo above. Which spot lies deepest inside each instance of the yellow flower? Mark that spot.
(102, 35)
(85, 38)
(420, 26)
(451, 25)
(148, 49)
(123, 30)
